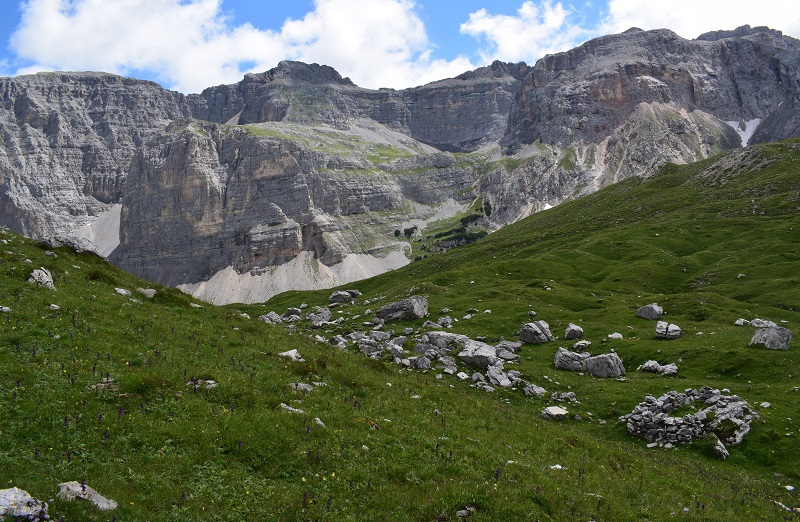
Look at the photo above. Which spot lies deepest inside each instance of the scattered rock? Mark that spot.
(18, 503)
(532, 390)
(289, 409)
(123, 292)
(319, 422)
(667, 331)
(449, 365)
(532, 314)
(511, 346)
(292, 314)
(762, 323)
(105, 384)
(581, 345)
(50, 253)
(573, 332)
(772, 338)
(420, 362)
(415, 307)
(507, 356)
(271, 318)
(563, 396)
(651, 311)
(343, 296)
(319, 315)
(54, 307)
(655, 367)
(615, 335)
(741, 322)
(537, 332)
(72, 490)
(555, 413)
(147, 292)
(4, 309)
(607, 365)
(294, 355)
(42, 277)
(203, 383)
(301, 386)
(498, 377)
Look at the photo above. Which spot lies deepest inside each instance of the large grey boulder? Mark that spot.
(320, 314)
(573, 332)
(42, 277)
(773, 338)
(567, 360)
(667, 331)
(607, 365)
(415, 307)
(537, 332)
(343, 296)
(19, 504)
(478, 354)
(72, 490)
(271, 318)
(651, 311)
(532, 390)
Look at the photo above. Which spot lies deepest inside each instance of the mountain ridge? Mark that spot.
(298, 171)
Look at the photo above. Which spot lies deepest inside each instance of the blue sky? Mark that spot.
(188, 45)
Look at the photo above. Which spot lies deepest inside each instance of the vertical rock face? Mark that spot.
(583, 95)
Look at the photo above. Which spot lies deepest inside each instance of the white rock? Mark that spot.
(122, 291)
(615, 335)
(287, 408)
(555, 413)
(74, 489)
(15, 502)
(294, 355)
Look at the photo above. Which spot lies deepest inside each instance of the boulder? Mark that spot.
(147, 292)
(567, 360)
(655, 367)
(123, 292)
(531, 390)
(537, 332)
(651, 311)
(421, 362)
(449, 365)
(573, 332)
(415, 307)
(271, 318)
(294, 355)
(507, 356)
(292, 312)
(42, 277)
(607, 365)
(772, 338)
(74, 489)
(615, 335)
(667, 331)
(511, 346)
(478, 354)
(555, 413)
(19, 504)
(343, 296)
(319, 315)
(498, 377)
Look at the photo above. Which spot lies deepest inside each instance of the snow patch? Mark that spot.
(304, 272)
(745, 129)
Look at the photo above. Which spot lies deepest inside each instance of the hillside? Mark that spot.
(402, 444)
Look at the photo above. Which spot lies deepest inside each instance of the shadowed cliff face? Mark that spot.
(298, 167)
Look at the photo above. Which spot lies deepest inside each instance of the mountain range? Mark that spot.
(298, 179)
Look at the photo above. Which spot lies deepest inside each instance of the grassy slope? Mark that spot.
(230, 453)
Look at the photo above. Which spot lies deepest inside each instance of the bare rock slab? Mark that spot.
(772, 338)
(72, 490)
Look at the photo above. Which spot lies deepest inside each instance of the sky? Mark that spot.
(188, 45)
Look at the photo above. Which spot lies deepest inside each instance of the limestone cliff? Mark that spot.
(297, 178)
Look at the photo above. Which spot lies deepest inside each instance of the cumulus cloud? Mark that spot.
(538, 28)
(690, 18)
(189, 44)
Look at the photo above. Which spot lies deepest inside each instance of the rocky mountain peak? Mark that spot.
(292, 71)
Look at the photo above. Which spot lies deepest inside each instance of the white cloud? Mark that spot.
(189, 44)
(538, 28)
(690, 18)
